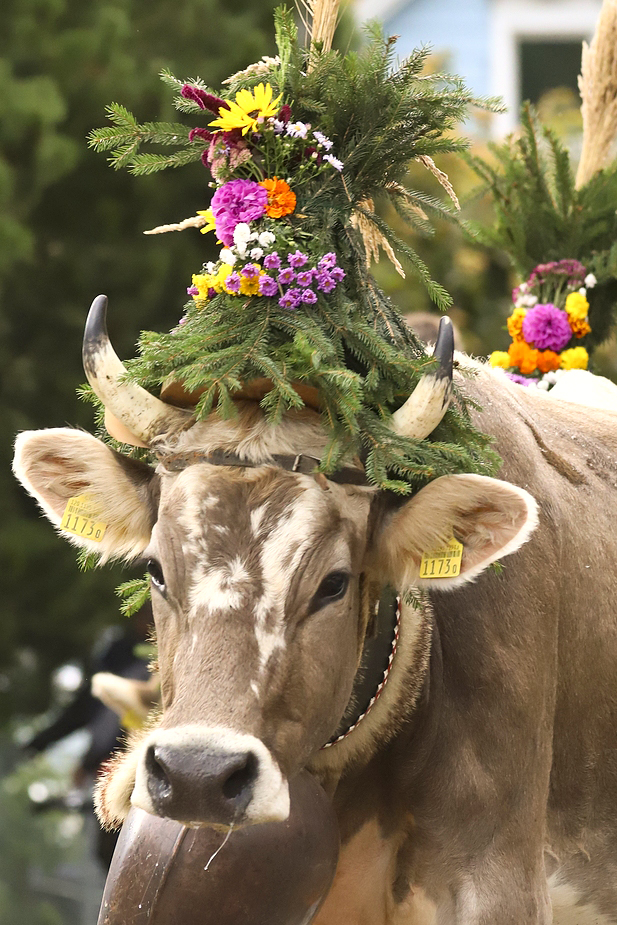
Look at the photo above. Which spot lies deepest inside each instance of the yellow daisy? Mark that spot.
(249, 110)
(210, 223)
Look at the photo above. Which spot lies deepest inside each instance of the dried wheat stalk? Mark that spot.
(196, 221)
(320, 18)
(598, 86)
(372, 236)
(442, 177)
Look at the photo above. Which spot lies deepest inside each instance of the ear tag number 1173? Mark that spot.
(81, 518)
(444, 562)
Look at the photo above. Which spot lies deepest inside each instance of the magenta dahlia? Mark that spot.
(235, 202)
(546, 327)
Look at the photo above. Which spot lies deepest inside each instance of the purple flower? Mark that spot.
(192, 290)
(325, 282)
(297, 129)
(297, 259)
(232, 283)
(327, 261)
(308, 297)
(295, 294)
(288, 301)
(305, 278)
(250, 271)
(546, 327)
(267, 286)
(285, 113)
(202, 133)
(272, 261)
(333, 161)
(204, 100)
(337, 274)
(211, 292)
(520, 380)
(323, 140)
(286, 276)
(234, 202)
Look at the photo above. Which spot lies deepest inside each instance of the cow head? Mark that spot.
(257, 578)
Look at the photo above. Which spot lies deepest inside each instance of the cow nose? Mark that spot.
(200, 785)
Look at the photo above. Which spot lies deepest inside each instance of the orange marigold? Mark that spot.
(523, 356)
(548, 361)
(580, 326)
(281, 198)
(515, 323)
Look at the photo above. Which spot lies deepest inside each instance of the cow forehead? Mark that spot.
(243, 536)
(229, 516)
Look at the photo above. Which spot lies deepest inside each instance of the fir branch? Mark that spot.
(133, 594)
(142, 165)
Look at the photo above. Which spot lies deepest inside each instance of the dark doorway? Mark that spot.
(544, 65)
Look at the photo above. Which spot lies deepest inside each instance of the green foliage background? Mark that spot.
(69, 229)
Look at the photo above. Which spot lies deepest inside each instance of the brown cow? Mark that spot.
(486, 769)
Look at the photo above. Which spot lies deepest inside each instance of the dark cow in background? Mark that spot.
(485, 773)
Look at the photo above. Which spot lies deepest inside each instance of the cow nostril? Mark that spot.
(242, 779)
(158, 773)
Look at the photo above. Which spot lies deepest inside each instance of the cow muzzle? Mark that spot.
(209, 776)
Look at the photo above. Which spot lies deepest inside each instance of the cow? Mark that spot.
(481, 774)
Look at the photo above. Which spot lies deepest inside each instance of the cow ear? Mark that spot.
(489, 517)
(58, 464)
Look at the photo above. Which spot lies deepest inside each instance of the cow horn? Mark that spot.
(144, 415)
(429, 401)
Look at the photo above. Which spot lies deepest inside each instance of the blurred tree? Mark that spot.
(69, 229)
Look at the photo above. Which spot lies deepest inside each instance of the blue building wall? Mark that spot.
(457, 27)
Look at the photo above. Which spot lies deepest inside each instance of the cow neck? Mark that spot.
(376, 663)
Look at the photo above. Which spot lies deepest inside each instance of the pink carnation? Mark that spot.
(235, 202)
(546, 327)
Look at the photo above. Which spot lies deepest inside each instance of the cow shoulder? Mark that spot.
(58, 464)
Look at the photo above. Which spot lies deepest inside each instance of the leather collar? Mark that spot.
(307, 465)
(375, 665)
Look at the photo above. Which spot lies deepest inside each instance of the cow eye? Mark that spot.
(332, 588)
(156, 574)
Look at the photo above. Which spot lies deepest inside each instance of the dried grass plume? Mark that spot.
(598, 86)
(372, 237)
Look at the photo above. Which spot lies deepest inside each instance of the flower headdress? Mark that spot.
(559, 228)
(299, 148)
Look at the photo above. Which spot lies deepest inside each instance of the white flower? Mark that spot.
(242, 232)
(590, 281)
(522, 287)
(257, 253)
(227, 256)
(582, 291)
(210, 267)
(297, 129)
(526, 301)
(240, 248)
(334, 161)
(278, 126)
(543, 384)
(266, 238)
(323, 140)
(551, 377)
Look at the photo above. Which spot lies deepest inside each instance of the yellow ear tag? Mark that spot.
(81, 518)
(444, 562)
